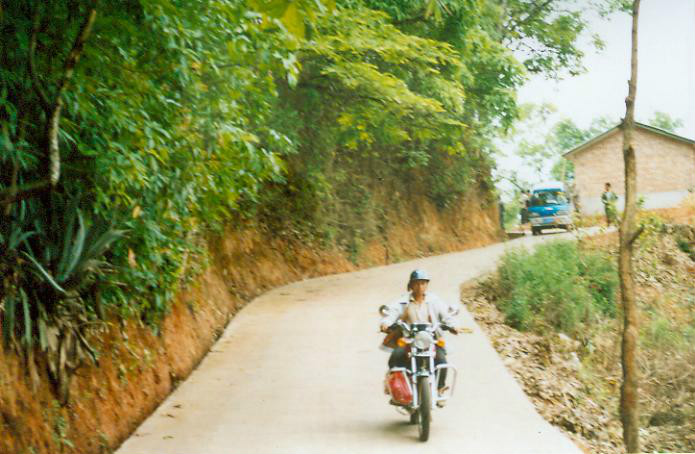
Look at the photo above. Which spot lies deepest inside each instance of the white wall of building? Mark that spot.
(652, 201)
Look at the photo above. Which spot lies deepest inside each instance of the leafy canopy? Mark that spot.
(182, 117)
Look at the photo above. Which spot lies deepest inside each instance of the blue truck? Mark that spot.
(550, 207)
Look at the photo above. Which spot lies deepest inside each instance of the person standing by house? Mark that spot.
(609, 199)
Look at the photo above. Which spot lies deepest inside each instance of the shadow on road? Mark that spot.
(402, 429)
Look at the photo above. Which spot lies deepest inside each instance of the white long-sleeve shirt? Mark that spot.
(438, 310)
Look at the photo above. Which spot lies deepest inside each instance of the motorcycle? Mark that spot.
(414, 389)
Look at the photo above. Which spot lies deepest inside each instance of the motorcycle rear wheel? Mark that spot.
(424, 412)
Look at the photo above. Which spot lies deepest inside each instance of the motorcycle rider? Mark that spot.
(420, 306)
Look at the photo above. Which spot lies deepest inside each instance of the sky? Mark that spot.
(665, 80)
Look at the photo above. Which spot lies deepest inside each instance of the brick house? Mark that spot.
(665, 167)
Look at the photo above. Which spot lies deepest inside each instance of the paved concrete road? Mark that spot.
(298, 371)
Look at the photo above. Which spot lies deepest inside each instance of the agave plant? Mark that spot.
(13, 298)
(81, 253)
(46, 301)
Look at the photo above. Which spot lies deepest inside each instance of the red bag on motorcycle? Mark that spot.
(399, 388)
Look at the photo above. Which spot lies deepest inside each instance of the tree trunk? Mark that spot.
(53, 109)
(628, 234)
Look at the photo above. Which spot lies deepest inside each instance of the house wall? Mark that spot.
(665, 170)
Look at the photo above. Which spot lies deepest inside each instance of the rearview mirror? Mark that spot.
(383, 310)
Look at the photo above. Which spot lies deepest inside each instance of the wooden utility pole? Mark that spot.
(629, 232)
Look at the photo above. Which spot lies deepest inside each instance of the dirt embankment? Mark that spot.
(138, 368)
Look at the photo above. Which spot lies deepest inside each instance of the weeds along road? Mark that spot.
(299, 371)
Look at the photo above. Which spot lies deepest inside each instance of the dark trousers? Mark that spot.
(399, 358)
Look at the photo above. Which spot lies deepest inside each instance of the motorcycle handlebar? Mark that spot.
(401, 324)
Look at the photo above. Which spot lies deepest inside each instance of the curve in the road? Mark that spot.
(298, 371)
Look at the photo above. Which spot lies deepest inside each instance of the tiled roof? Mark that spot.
(603, 135)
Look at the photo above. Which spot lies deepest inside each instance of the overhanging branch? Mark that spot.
(635, 235)
(15, 194)
(533, 14)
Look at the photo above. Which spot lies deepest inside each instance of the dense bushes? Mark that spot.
(558, 285)
(182, 117)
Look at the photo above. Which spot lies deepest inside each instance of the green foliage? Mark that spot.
(512, 210)
(612, 6)
(184, 116)
(664, 121)
(293, 15)
(379, 102)
(77, 254)
(51, 296)
(652, 226)
(167, 128)
(684, 246)
(563, 136)
(566, 135)
(359, 56)
(535, 153)
(563, 170)
(659, 334)
(60, 426)
(558, 286)
(598, 273)
(545, 33)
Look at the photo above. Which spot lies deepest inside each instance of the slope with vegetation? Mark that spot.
(137, 135)
(554, 318)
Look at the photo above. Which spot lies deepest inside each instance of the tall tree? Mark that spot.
(628, 234)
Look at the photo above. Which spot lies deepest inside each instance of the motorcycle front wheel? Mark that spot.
(424, 412)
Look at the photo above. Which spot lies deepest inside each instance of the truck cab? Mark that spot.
(550, 207)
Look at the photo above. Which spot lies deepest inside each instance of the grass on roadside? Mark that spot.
(557, 285)
(573, 288)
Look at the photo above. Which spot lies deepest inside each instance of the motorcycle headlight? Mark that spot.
(423, 340)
